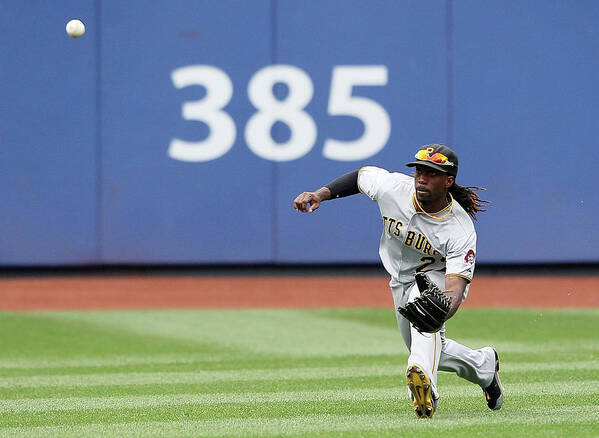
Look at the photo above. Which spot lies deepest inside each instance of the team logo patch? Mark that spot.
(469, 257)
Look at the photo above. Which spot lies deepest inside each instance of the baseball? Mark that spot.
(75, 28)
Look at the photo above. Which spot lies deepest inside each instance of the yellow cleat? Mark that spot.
(420, 387)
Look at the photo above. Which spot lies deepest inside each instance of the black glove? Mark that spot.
(428, 312)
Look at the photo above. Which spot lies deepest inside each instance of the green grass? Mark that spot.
(321, 373)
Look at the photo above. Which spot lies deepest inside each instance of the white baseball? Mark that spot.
(75, 28)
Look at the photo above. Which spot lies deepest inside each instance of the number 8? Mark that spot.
(289, 111)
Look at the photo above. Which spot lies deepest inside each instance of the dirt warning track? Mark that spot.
(151, 292)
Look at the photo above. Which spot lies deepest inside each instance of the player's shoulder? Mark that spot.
(462, 219)
(378, 183)
(384, 174)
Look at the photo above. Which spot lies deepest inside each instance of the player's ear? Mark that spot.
(449, 181)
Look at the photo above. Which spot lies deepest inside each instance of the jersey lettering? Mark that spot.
(420, 242)
(409, 238)
(427, 248)
(391, 222)
(388, 223)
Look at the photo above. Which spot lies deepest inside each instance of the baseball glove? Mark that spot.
(428, 312)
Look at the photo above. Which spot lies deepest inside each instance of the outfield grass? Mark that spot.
(323, 373)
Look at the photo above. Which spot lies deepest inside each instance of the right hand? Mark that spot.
(301, 202)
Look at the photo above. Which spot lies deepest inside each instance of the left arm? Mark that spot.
(459, 266)
(454, 289)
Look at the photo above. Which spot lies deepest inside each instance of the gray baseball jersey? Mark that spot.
(414, 240)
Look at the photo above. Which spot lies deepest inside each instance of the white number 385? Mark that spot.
(219, 90)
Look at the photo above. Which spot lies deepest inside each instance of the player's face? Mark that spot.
(431, 185)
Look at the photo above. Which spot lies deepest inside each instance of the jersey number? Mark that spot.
(427, 262)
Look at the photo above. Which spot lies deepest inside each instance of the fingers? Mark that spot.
(314, 204)
(302, 201)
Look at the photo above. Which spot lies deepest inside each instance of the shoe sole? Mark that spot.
(420, 387)
(499, 401)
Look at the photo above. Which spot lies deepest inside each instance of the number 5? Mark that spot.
(377, 126)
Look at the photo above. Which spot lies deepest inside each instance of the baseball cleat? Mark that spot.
(494, 392)
(420, 389)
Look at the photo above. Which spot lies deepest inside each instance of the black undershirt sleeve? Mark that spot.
(345, 185)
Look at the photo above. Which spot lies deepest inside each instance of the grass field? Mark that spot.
(323, 373)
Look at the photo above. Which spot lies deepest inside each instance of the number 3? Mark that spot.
(219, 91)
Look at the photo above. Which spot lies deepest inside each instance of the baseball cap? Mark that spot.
(437, 156)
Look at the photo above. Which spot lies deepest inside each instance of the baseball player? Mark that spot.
(428, 246)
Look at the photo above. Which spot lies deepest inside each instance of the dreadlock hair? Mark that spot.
(468, 198)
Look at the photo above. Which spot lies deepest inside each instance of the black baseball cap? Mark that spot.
(437, 156)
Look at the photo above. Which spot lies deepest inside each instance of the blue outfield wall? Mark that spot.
(48, 150)
(181, 131)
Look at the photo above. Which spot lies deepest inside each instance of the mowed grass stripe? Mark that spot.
(358, 395)
(456, 407)
(387, 424)
(229, 364)
(504, 347)
(293, 332)
(201, 376)
(198, 376)
(316, 384)
(176, 363)
(113, 361)
(201, 388)
(38, 405)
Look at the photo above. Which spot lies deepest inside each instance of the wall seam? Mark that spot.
(275, 166)
(99, 138)
(449, 71)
